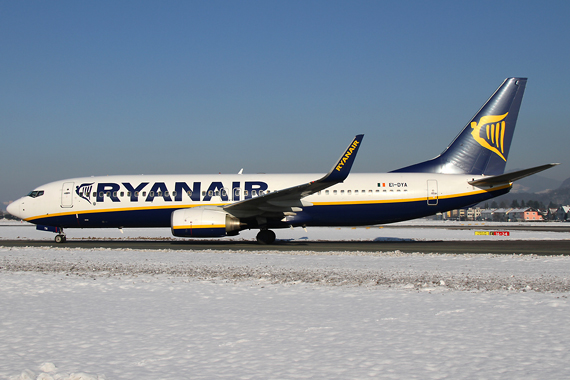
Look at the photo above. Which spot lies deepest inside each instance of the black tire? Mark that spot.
(60, 238)
(266, 237)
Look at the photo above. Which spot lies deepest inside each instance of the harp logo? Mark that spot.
(84, 190)
(490, 133)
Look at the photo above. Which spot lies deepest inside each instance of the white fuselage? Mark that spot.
(148, 200)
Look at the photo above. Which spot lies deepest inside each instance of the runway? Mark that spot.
(525, 247)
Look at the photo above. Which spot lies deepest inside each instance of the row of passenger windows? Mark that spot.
(349, 192)
(211, 193)
(218, 193)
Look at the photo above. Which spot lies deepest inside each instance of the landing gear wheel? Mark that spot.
(60, 238)
(266, 237)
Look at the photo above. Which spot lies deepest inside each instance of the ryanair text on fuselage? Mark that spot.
(182, 190)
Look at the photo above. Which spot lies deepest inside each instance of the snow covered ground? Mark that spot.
(126, 314)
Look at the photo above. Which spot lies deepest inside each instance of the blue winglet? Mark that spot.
(340, 171)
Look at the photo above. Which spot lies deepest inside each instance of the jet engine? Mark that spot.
(203, 222)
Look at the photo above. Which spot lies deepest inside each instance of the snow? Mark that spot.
(87, 314)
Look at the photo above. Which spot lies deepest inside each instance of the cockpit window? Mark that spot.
(36, 193)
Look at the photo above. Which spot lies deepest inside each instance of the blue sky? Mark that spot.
(141, 87)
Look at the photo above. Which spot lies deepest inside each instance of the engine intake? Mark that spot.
(203, 222)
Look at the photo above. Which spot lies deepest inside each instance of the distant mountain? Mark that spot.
(536, 188)
(566, 183)
(560, 196)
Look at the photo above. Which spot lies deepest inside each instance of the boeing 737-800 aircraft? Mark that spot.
(470, 170)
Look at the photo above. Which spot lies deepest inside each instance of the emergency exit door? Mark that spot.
(432, 192)
(67, 194)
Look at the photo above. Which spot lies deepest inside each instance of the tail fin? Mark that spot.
(483, 145)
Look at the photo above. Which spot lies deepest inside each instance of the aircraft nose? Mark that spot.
(14, 209)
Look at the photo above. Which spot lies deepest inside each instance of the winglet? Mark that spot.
(340, 170)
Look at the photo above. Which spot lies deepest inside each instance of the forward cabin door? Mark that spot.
(67, 195)
(432, 192)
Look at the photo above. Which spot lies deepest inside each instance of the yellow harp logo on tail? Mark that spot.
(493, 136)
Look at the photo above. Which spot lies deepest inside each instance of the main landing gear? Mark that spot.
(266, 237)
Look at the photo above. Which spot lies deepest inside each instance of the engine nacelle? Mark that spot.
(203, 222)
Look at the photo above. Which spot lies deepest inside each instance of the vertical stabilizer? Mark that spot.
(483, 145)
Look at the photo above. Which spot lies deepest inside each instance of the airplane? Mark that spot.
(470, 170)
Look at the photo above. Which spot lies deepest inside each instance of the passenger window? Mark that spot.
(224, 193)
(144, 193)
(253, 193)
(217, 193)
(260, 192)
(189, 192)
(210, 192)
(334, 192)
(348, 192)
(342, 191)
(203, 193)
(114, 194)
(245, 193)
(326, 192)
(100, 193)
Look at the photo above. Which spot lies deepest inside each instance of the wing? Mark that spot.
(288, 201)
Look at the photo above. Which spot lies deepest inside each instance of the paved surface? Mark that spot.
(539, 247)
(563, 227)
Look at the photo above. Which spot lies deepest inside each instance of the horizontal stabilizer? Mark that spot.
(509, 177)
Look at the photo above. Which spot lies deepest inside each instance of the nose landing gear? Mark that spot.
(60, 237)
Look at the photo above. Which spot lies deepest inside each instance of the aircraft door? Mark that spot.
(67, 194)
(432, 192)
